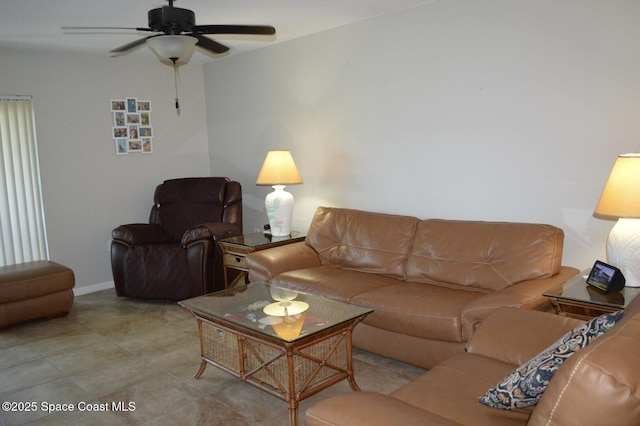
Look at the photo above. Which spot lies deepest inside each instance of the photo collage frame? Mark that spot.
(132, 130)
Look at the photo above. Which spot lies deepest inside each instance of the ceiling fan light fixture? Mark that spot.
(172, 47)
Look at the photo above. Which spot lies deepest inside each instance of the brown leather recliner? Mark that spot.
(175, 256)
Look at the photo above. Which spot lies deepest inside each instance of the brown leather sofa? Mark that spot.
(597, 385)
(430, 282)
(176, 256)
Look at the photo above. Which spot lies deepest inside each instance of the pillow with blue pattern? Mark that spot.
(524, 386)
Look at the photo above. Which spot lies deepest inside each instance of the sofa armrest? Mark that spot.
(265, 264)
(515, 335)
(371, 409)
(208, 231)
(139, 233)
(525, 294)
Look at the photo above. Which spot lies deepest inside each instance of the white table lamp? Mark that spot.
(279, 170)
(620, 200)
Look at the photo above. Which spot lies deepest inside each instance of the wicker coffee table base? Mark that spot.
(291, 371)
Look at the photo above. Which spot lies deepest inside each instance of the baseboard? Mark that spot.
(79, 291)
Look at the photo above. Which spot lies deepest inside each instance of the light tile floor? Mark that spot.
(141, 355)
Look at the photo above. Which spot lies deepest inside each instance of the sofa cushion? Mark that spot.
(413, 309)
(369, 242)
(502, 335)
(524, 386)
(332, 282)
(370, 409)
(485, 255)
(450, 390)
(417, 309)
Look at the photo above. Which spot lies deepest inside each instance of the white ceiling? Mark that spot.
(35, 24)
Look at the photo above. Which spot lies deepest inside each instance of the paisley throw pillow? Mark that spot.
(524, 386)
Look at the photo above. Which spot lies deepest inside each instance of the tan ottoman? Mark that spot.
(34, 290)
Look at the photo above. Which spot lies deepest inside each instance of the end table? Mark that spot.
(577, 299)
(236, 249)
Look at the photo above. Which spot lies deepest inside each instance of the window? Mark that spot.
(22, 227)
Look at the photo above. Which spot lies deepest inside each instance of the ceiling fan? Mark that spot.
(176, 32)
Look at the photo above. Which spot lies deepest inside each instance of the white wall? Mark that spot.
(87, 189)
(490, 110)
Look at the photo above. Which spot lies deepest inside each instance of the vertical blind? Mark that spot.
(22, 226)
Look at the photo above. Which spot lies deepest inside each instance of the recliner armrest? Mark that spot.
(139, 233)
(208, 231)
(525, 294)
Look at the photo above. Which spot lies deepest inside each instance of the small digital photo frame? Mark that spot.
(606, 278)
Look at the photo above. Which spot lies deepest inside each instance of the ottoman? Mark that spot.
(33, 290)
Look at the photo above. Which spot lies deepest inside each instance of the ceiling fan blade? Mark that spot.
(105, 28)
(234, 29)
(210, 45)
(130, 45)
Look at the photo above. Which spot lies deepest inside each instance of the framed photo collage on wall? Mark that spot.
(132, 130)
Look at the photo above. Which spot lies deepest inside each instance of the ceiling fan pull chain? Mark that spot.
(175, 81)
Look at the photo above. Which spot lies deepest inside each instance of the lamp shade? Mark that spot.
(172, 47)
(278, 169)
(621, 195)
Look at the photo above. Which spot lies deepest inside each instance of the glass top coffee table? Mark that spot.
(289, 344)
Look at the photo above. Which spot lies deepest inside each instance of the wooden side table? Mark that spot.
(236, 249)
(576, 299)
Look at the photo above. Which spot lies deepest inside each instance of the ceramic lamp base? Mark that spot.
(623, 249)
(279, 205)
